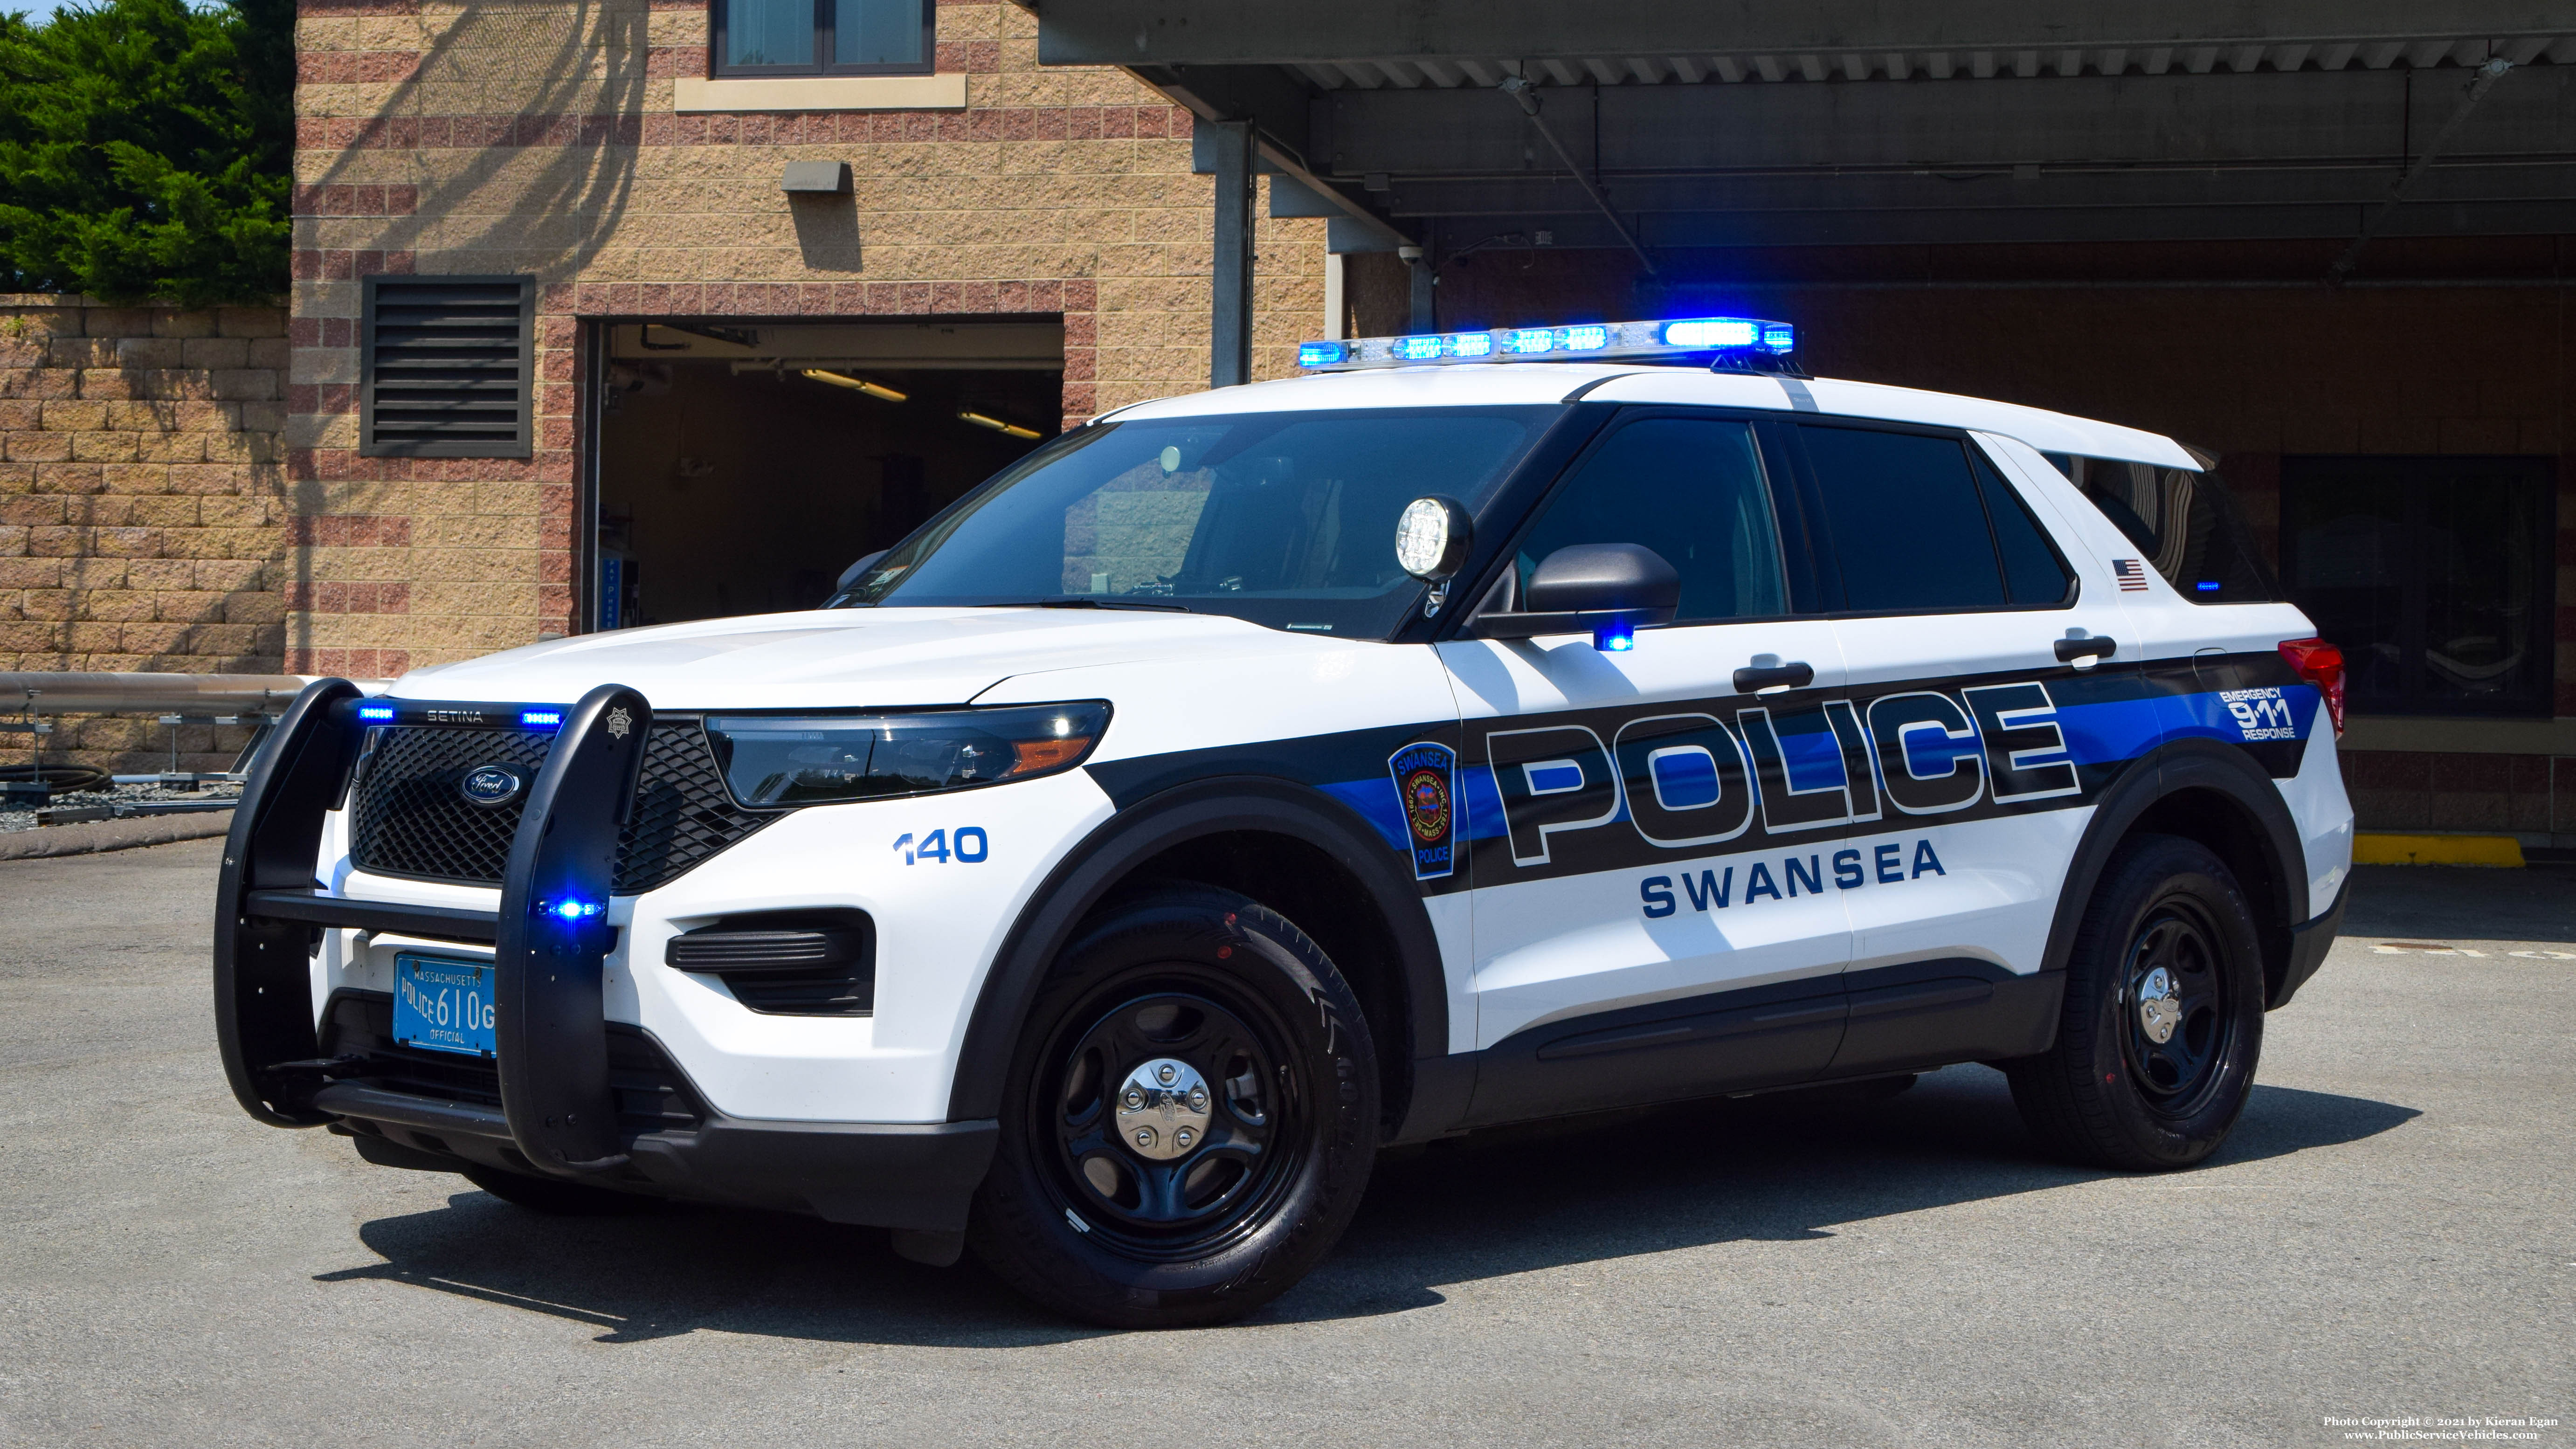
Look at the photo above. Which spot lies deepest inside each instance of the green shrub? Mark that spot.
(145, 150)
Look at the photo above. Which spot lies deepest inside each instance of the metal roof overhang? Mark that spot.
(1728, 122)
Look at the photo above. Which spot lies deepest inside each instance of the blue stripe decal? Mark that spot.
(2107, 733)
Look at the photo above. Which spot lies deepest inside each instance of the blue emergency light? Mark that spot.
(376, 713)
(1744, 342)
(541, 719)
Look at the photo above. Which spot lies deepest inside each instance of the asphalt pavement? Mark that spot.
(2391, 1233)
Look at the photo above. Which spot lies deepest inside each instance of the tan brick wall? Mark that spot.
(541, 138)
(144, 516)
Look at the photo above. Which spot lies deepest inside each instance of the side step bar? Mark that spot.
(549, 938)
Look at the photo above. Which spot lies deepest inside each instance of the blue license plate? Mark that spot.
(443, 1004)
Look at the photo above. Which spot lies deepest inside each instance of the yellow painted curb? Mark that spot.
(2368, 849)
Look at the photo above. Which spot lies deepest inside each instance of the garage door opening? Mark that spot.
(742, 467)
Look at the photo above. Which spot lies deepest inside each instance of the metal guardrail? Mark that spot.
(174, 699)
(69, 692)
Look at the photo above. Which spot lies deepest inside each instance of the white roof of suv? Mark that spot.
(1491, 383)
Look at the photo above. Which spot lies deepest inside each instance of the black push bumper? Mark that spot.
(2308, 946)
(556, 1112)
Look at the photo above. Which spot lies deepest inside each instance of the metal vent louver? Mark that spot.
(449, 364)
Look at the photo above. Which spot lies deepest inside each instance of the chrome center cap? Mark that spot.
(1162, 1109)
(2159, 1006)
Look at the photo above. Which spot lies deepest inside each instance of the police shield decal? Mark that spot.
(1426, 777)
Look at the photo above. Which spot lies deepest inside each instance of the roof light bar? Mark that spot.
(1750, 337)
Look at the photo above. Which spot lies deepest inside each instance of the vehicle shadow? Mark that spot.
(1783, 1168)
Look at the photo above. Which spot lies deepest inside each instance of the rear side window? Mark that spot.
(2184, 522)
(1907, 525)
(2033, 573)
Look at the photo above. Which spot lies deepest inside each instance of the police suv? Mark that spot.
(1484, 727)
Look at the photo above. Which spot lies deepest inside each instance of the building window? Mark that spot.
(823, 37)
(445, 366)
(2433, 574)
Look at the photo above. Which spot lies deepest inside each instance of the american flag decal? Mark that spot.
(2133, 575)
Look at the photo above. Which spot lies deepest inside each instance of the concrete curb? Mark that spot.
(2370, 848)
(98, 835)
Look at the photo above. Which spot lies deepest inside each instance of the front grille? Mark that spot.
(651, 1094)
(407, 817)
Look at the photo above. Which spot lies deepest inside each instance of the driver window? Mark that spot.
(1691, 489)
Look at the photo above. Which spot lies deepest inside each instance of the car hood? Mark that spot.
(838, 658)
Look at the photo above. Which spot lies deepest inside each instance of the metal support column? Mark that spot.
(1423, 275)
(1230, 312)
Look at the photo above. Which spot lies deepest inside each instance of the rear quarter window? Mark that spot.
(2185, 524)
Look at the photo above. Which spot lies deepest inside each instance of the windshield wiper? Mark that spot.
(1078, 602)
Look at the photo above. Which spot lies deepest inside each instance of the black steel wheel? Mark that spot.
(1190, 1121)
(2163, 1018)
(2172, 1008)
(1174, 1114)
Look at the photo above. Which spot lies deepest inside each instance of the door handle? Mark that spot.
(1755, 678)
(2098, 646)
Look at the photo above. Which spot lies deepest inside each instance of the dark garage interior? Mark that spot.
(742, 467)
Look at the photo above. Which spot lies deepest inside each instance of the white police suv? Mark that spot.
(1486, 727)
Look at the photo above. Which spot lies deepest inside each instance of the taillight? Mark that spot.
(2320, 664)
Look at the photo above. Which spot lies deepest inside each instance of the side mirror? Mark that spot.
(1432, 537)
(851, 574)
(1608, 590)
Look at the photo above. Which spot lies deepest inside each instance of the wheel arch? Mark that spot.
(2209, 793)
(1291, 848)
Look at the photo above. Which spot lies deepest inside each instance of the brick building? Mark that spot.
(1026, 245)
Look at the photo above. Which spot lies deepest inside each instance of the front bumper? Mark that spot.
(917, 1176)
(559, 1095)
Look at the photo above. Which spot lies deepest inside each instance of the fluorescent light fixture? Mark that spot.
(877, 390)
(983, 420)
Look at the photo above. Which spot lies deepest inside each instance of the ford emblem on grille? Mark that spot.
(491, 784)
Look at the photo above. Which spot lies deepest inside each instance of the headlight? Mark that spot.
(776, 761)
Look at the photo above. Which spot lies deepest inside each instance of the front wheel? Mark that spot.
(1189, 1121)
(2163, 1018)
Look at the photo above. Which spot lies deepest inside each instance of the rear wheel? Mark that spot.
(2163, 1020)
(1190, 1119)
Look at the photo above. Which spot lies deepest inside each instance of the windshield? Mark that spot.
(1284, 519)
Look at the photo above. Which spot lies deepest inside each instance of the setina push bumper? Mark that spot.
(564, 1092)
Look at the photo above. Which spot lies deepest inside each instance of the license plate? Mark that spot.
(443, 1004)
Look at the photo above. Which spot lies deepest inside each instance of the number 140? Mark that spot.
(968, 847)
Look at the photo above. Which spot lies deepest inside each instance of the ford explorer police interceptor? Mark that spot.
(1483, 727)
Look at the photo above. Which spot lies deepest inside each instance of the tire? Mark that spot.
(1271, 1073)
(555, 1197)
(2163, 1019)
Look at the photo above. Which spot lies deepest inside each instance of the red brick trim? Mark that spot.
(788, 128)
(854, 300)
(309, 265)
(336, 200)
